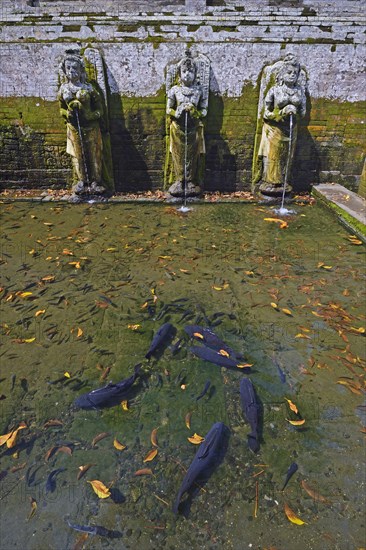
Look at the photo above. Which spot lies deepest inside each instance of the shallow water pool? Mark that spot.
(85, 287)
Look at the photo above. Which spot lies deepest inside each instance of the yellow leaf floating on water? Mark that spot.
(224, 353)
(244, 366)
(359, 330)
(292, 405)
(133, 327)
(100, 489)
(29, 340)
(79, 332)
(150, 455)
(275, 306)
(12, 439)
(187, 420)
(124, 405)
(118, 445)
(292, 516)
(304, 336)
(286, 311)
(33, 509)
(39, 312)
(154, 438)
(196, 439)
(48, 278)
(67, 375)
(323, 266)
(296, 422)
(198, 335)
(25, 294)
(282, 223)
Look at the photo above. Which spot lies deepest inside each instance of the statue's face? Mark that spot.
(290, 76)
(72, 70)
(187, 75)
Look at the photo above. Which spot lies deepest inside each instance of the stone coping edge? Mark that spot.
(350, 221)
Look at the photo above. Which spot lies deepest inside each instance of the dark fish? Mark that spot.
(94, 530)
(174, 348)
(210, 339)
(281, 373)
(163, 333)
(30, 477)
(207, 457)
(109, 395)
(51, 481)
(213, 357)
(290, 472)
(250, 409)
(205, 390)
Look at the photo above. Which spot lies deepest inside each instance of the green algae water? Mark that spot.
(85, 287)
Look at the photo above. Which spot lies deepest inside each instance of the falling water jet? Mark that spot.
(82, 147)
(282, 210)
(184, 207)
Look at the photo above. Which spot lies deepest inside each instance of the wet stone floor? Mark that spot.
(84, 288)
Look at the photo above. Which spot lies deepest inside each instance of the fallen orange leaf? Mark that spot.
(314, 494)
(100, 489)
(296, 422)
(292, 405)
(118, 445)
(150, 455)
(153, 437)
(143, 472)
(196, 439)
(188, 420)
(292, 516)
(33, 509)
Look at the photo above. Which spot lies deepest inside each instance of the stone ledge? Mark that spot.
(349, 207)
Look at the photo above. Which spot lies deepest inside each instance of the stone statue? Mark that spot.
(187, 86)
(83, 108)
(283, 104)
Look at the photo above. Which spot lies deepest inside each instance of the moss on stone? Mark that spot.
(349, 221)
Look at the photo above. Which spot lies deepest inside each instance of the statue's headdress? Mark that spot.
(187, 62)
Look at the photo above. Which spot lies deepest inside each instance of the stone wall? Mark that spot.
(239, 37)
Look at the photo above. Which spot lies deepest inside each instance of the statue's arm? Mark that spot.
(203, 105)
(171, 104)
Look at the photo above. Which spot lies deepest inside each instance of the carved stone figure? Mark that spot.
(83, 108)
(283, 104)
(187, 86)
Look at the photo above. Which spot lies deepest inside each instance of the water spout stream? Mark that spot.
(82, 147)
(184, 207)
(282, 209)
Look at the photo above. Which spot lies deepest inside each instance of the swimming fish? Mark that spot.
(94, 530)
(290, 472)
(205, 390)
(249, 405)
(207, 457)
(213, 357)
(51, 481)
(210, 339)
(162, 334)
(109, 395)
